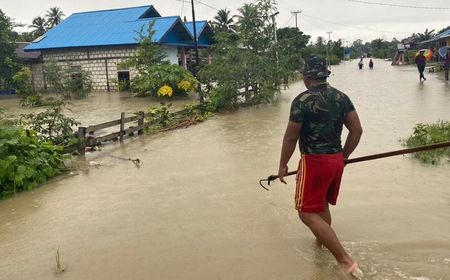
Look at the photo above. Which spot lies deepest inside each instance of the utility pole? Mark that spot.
(196, 48)
(274, 26)
(326, 48)
(296, 13)
(195, 34)
(329, 33)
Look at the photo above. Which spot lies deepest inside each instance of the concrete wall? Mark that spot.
(100, 62)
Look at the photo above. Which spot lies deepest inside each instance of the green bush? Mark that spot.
(161, 115)
(25, 161)
(22, 82)
(68, 81)
(52, 125)
(31, 100)
(150, 82)
(425, 134)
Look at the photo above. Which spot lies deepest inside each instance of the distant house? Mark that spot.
(97, 41)
(28, 58)
(439, 41)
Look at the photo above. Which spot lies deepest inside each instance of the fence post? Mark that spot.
(81, 139)
(122, 126)
(140, 122)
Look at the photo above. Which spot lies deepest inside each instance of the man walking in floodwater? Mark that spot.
(421, 62)
(447, 63)
(316, 121)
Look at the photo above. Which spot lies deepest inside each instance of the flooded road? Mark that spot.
(194, 210)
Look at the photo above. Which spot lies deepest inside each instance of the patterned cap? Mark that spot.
(316, 67)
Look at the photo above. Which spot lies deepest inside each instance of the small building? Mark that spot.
(29, 58)
(441, 40)
(98, 41)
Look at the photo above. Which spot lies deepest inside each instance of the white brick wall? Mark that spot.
(93, 61)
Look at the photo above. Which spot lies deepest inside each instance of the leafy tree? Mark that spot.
(426, 35)
(223, 21)
(244, 67)
(156, 75)
(53, 17)
(68, 81)
(25, 37)
(291, 42)
(39, 26)
(383, 49)
(8, 64)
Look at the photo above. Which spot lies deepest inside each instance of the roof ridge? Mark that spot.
(154, 18)
(108, 10)
(196, 21)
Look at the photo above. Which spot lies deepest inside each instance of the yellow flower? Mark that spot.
(165, 90)
(184, 85)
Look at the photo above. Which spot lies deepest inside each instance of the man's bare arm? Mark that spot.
(353, 124)
(289, 143)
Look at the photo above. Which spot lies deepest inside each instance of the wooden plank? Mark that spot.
(81, 139)
(102, 125)
(122, 126)
(108, 137)
(141, 121)
(131, 119)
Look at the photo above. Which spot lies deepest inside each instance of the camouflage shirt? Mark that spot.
(321, 110)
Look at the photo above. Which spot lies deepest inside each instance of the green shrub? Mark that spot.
(161, 115)
(52, 125)
(70, 81)
(25, 161)
(22, 82)
(156, 78)
(425, 134)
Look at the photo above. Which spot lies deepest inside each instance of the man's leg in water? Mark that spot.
(326, 216)
(326, 236)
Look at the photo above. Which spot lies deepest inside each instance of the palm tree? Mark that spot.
(223, 22)
(427, 35)
(54, 17)
(39, 27)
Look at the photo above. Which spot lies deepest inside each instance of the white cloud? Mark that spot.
(347, 20)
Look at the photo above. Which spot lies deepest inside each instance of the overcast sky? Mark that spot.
(347, 19)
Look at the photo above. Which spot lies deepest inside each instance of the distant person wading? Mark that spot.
(447, 63)
(421, 61)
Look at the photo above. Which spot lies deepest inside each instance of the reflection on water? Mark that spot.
(194, 210)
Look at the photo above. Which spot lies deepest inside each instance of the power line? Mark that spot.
(182, 8)
(399, 5)
(352, 26)
(288, 21)
(201, 3)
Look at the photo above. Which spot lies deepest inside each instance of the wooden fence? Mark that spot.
(84, 139)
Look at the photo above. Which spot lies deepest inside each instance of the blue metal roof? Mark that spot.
(439, 36)
(113, 27)
(204, 32)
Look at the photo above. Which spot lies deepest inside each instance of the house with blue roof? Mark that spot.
(97, 41)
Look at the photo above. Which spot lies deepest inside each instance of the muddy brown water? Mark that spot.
(194, 210)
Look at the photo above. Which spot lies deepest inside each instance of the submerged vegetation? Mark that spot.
(32, 149)
(429, 134)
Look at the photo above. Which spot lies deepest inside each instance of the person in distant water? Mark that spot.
(421, 61)
(316, 120)
(361, 63)
(371, 64)
(447, 63)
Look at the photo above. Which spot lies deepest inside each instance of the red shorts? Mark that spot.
(318, 180)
